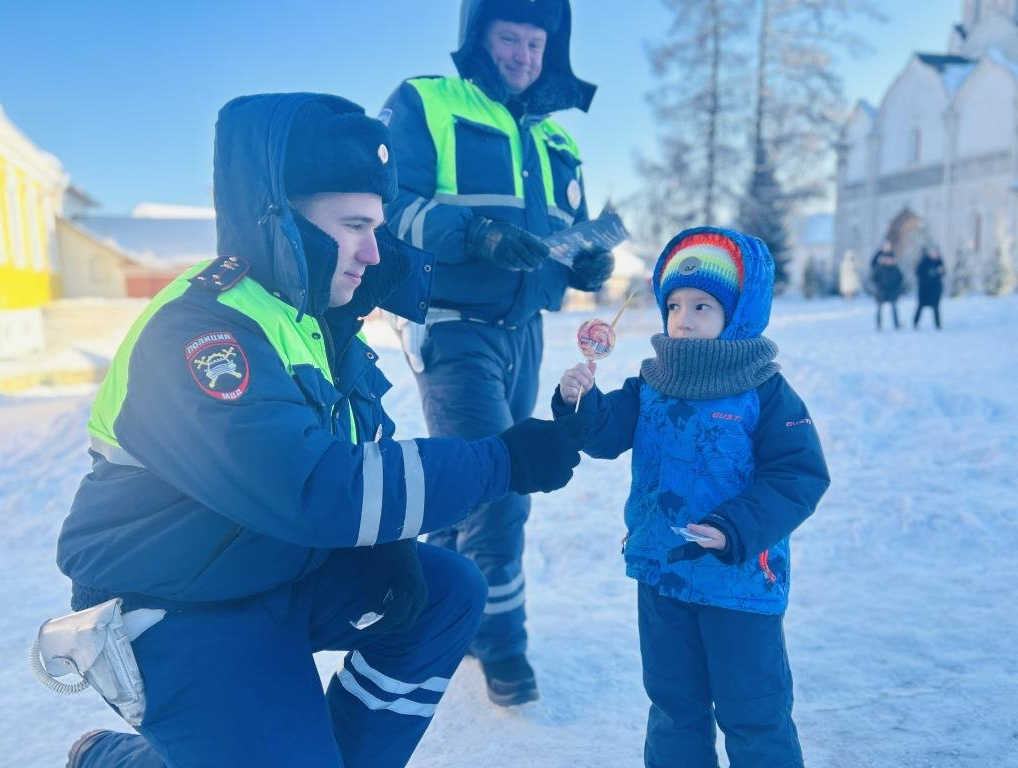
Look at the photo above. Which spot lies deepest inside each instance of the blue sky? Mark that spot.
(125, 93)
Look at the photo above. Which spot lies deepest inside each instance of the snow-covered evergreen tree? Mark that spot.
(763, 213)
(1000, 278)
(961, 274)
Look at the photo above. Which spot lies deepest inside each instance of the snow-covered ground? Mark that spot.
(902, 622)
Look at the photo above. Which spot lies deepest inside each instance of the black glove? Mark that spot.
(543, 453)
(394, 584)
(688, 551)
(503, 244)
(591, 269)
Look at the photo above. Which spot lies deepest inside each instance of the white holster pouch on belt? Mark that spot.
(95, 645)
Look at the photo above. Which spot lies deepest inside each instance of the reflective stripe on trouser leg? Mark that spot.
(479, 381)
(378, 691)
(385, 693)
(493, 536)
(505, 597)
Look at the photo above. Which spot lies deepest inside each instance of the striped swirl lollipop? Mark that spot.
(596, 339)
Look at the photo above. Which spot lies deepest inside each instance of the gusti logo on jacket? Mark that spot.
(218, 365)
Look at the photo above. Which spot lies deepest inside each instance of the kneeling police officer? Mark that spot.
(246, 486)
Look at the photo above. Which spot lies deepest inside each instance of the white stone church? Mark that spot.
(937, 162)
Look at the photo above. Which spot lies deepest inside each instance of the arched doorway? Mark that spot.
(908, 235)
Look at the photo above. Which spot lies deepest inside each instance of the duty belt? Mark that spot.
(443, 315)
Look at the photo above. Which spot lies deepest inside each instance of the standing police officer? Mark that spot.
(245, 480)
(484, 175)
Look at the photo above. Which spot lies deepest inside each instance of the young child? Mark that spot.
(723, 446)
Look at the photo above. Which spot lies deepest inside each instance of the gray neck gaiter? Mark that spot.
(705, 369)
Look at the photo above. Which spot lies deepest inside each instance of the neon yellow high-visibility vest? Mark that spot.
(296, 344)
(447, 100)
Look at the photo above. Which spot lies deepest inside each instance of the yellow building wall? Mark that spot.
(26, 269)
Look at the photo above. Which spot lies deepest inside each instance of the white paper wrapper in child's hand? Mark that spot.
(688, 535)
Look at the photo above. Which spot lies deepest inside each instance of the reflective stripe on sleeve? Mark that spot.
(413, 475)
(113, 453)
(408, 216)
(417, 229)
(371, 502)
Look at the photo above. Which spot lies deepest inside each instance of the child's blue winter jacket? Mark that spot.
(748, 463)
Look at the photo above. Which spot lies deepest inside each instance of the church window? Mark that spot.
(916, 146)
(977, 232)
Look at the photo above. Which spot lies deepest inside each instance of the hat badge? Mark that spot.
(689, 265)
(383, 153)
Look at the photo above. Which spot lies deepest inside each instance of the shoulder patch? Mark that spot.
(218, 365)
(222, 274)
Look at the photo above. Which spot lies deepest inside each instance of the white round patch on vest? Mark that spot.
(383, 153)
(573, 194)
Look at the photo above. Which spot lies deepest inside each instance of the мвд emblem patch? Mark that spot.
(218, 365)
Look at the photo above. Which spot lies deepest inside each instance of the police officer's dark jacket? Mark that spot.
(467, 147)
(238, 436)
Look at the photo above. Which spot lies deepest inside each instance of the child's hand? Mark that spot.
(717, 538)
(577, 379)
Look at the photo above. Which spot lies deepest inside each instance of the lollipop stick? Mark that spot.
(629, 298)
(580, 392)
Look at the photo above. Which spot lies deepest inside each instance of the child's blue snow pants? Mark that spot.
(237, 685)
(701, 662)
(478, 381)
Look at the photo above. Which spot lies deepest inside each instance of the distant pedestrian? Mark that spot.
(930, 276)
(887, 281)
(849, 284)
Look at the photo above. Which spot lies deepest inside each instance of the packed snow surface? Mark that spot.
(902, 623)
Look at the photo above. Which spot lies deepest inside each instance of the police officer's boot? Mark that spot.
(510, 681)
(76, 754)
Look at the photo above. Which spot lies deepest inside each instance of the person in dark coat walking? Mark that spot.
(930, 276)
(887, 281)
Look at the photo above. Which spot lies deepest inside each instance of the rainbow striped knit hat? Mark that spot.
(704, 258)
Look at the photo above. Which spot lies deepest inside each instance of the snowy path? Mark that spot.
(902, 617)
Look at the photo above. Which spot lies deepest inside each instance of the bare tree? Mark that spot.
(697, 104)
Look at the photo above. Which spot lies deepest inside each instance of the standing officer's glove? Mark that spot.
(503, 244)
(395, 585)
(543, 453)
(590, 270)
